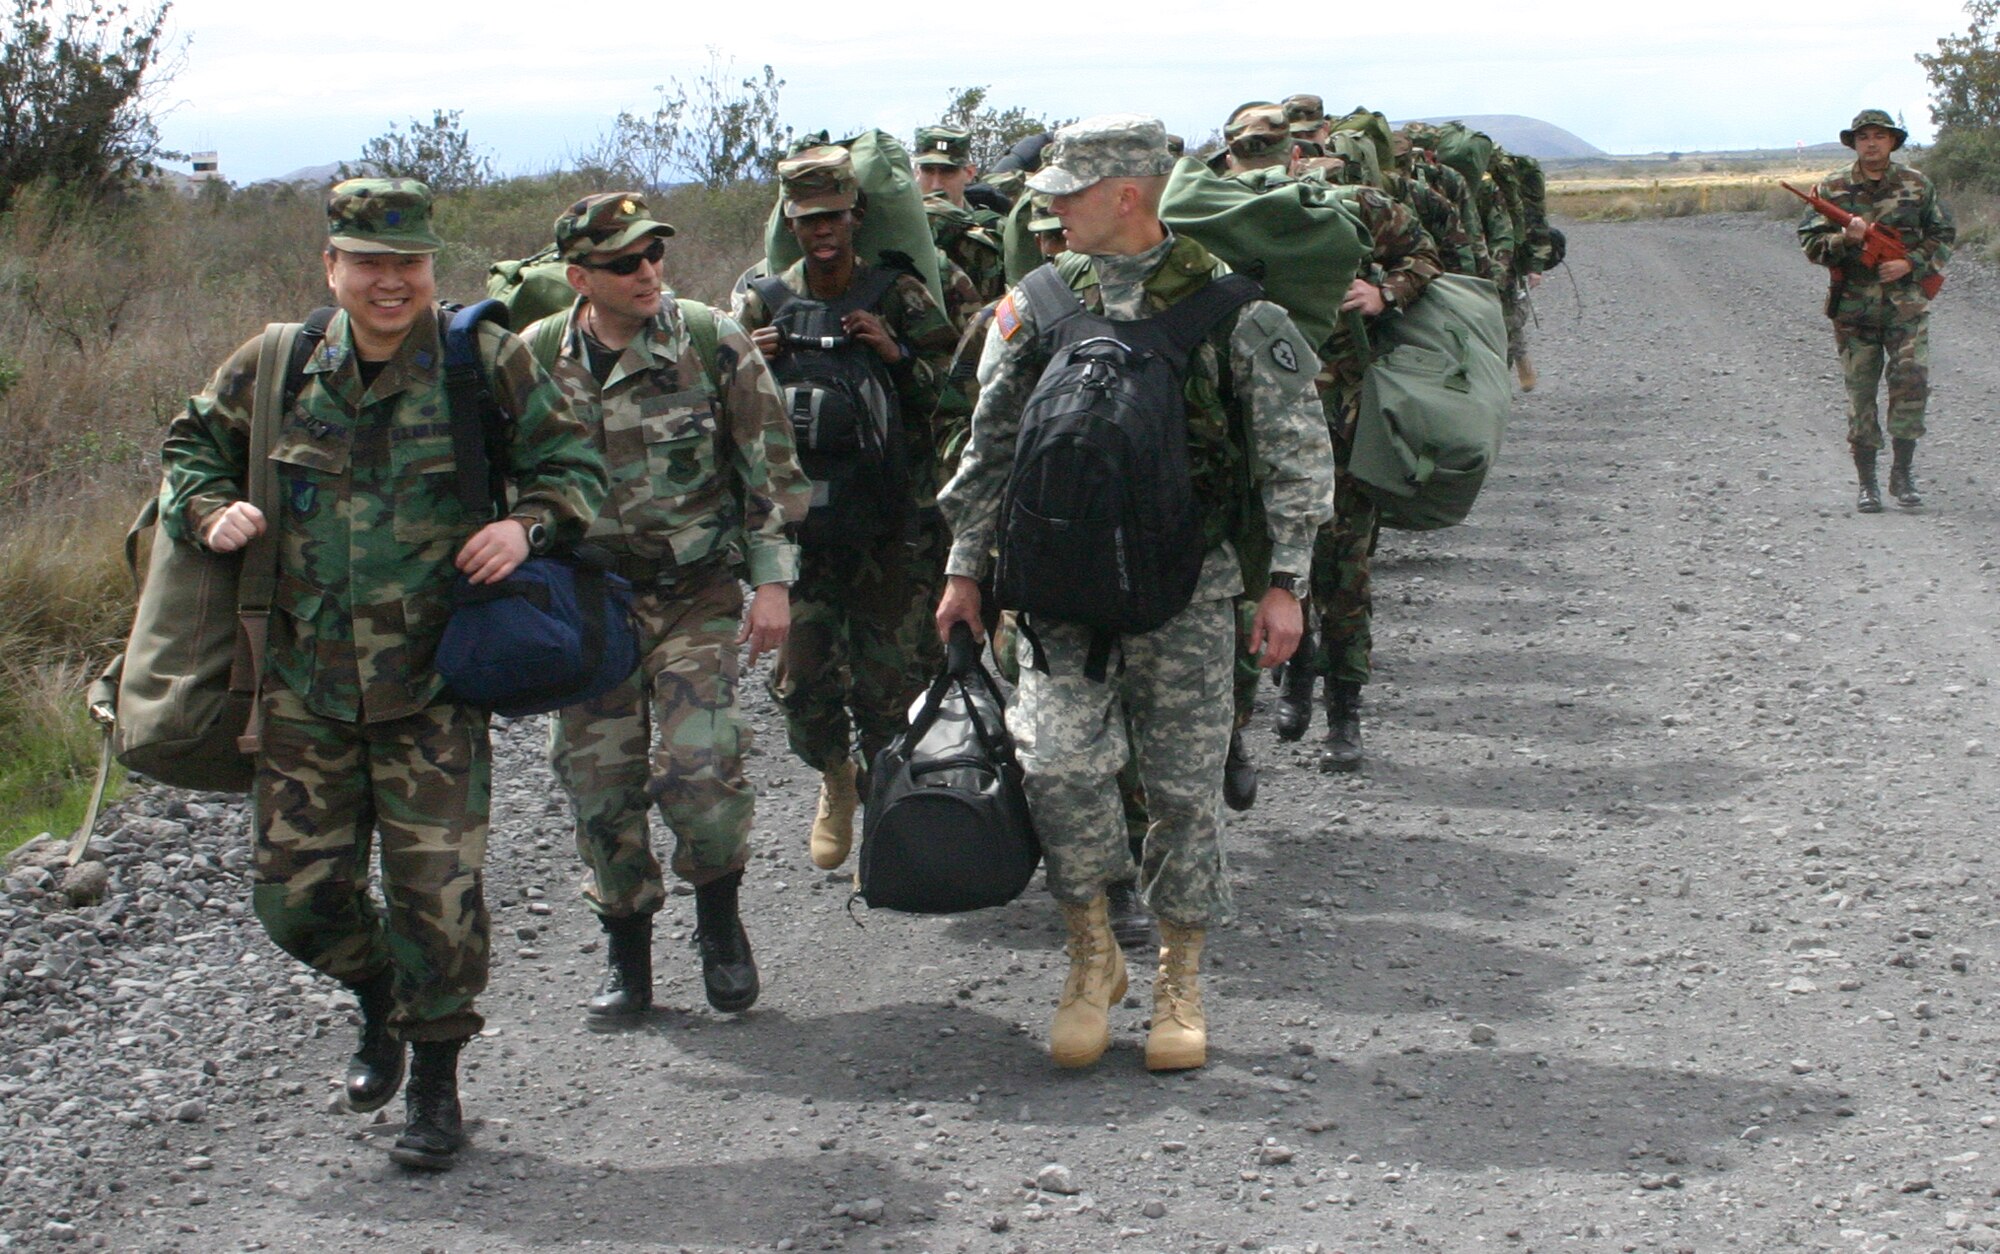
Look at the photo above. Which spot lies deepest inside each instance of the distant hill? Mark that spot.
(319, 175)
(1530, 136)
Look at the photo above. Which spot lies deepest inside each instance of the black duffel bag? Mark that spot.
(946, 827)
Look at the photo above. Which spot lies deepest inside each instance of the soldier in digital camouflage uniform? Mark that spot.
(1881, 316)
(1167, 702)
(358, 734)
(704, 487)
(861, 648)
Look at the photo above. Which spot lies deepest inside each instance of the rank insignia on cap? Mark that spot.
(627, 207)
(1005, 318)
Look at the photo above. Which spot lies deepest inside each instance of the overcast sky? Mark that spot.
(273, 87)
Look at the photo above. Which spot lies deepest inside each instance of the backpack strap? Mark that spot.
(292, 344)
(545, 338)
(475, 416)
(1188, 322)
(774, 293)
(1051, 297)
(702, 330)
(868, 290)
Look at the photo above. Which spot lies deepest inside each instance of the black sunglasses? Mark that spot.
(628, 265)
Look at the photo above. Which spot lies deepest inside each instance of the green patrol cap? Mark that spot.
(1108, 146)
(1040, 216)
(380, 216)
(1304, 113)
(818, 180)
(943, 145)
(605, 223)
(1874, 117)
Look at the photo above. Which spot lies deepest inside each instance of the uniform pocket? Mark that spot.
(679, 431)
(426, 492)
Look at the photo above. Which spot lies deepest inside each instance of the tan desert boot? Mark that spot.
(1179, 1036)
(833, 825)
(1526, 370)
(1081, 1031)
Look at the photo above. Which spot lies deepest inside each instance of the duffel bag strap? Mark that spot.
(257, 582)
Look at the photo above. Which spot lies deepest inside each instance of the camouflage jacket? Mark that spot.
(1903, 199)
(701, 469)
(368, 518)
(970, 238)
(1440, 220)
(1450, 184)
(923, 378)
(1402, 259)
(1270, 395)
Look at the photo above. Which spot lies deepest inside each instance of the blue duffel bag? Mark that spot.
(556, 632)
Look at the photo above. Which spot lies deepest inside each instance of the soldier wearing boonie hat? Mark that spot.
(645, 371)
(361, 742)
(1168, 700)
(1881, 313)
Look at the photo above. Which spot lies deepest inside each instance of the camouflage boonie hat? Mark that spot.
(1304, 113)
(380, 216)
(943, 145)
(1874, 117)
(818, 180)
(605, 223)
(1108, 146)
(1040, 216)
(1257, 130)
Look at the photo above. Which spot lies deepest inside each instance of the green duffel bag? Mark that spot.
(1375, 128)
(1297, 238)
(1468, 151)
(895, 220)
(1434, 405)
(533, 287)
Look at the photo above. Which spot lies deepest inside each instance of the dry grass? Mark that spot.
(1623, 197)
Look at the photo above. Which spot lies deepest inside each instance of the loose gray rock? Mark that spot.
(1056, 1178)
(85, 883)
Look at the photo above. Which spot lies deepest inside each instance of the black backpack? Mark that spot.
(846, 420)
(946, 828)
(1100, 526)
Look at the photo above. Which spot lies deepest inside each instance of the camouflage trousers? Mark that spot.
(862, 645)
(1166, 706)
(323, 788)
(685, 691)
(1514, 308)
(1341, 595)
(1899, 347)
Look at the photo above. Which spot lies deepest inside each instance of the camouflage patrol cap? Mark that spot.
(1305, 113)
(1108, 146)
(605, 223)
(380, 216)
(1040, 216)
(943, 145)
(1257, 130)
(1874, 117)
(1176, 146)
(818, 180)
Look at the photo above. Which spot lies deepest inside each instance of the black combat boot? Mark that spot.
(1342, 750)
(1130, 923)
(1295, 700)
(1902, 479)
(375, 1071)
(727, 970)
(1870, 500)
(627, 992)
(1239, 776)
(435, 1129)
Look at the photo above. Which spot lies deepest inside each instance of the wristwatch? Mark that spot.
(1287, 581)
(1388, 295)
(538, 534)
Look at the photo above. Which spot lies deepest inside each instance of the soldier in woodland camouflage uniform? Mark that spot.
(861, 647)
(359, 736)
(1421, 166)
(966, 235)
(704, 485)
(1167, 701)
(1881, 316)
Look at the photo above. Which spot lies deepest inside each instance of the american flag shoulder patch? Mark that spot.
(1005, 317)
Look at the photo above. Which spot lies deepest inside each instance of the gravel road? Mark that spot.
(1659, 920)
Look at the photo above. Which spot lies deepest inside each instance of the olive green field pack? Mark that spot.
(1434, 404)
(532, 288)
(179, 705)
